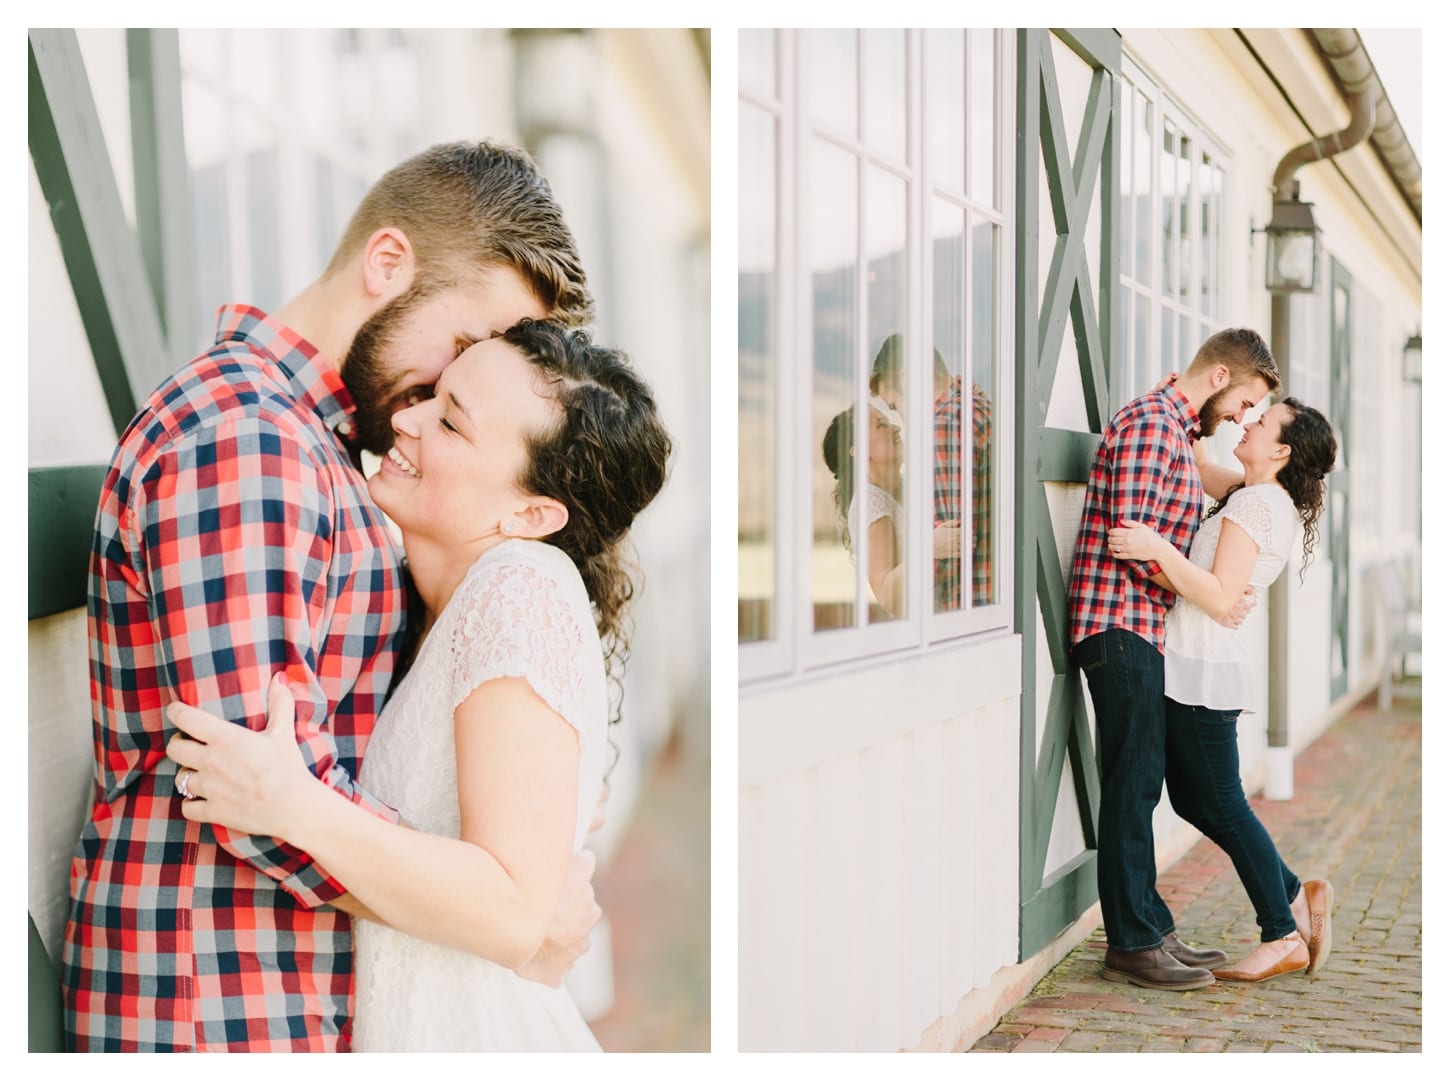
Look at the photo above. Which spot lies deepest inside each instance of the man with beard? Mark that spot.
(235, 538)
(1145, 471)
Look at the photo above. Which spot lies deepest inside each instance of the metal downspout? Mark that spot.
(1361, 98)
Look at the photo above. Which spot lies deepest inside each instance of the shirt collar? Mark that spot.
(313, 378)
(1183, 409)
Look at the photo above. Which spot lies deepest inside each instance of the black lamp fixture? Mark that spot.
(1293, 256)
(1412, 358)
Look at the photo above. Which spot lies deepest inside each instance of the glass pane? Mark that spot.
(983, 102)
(1143, 143)
(831, 256)
(758, 366)
(1145, 371)
(1168, 185)
(948, 320)
(1183, 171)
(886, 278)
(986, 239)
(830, 63)
(1125, 184)
(1215, 246)
(1203, 217)
(946, 122)
(1166, 325)
(264, 228)
(757, 62)
(885, 96)
(1187, 346)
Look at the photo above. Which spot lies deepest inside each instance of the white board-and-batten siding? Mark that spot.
(878, 846)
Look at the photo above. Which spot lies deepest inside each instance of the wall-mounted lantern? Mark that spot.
(1412, 358)
(1293, 256)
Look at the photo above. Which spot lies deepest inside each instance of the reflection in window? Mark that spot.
(758, 366)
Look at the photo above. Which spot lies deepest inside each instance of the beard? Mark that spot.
(368, 376)
(1213, 412)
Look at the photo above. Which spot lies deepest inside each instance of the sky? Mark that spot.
(1398, 61)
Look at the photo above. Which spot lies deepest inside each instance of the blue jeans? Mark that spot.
(1125, 678)
(1205, 790)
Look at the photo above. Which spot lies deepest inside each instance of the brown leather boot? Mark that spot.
(1154, 968)
(1312, 910)
(1269, 959)
(1189, 956)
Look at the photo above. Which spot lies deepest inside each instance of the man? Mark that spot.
(235, 537)
(1145, 471)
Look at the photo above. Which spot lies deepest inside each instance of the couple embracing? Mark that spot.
(341, 791)
(1156, 595)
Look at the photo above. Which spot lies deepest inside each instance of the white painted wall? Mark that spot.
(878, 847)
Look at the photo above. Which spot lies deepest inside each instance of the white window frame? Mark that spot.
(1133, 374)
(797, 649)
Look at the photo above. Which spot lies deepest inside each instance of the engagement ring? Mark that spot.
(183, 782)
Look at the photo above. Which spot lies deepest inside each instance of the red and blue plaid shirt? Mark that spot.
(234, 538)
(1144, 471)
(947, 492)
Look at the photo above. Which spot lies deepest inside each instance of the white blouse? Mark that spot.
(1206, 663)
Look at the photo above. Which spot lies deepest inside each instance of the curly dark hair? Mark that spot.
(1312, 451)
(605, 461)
(836, 450)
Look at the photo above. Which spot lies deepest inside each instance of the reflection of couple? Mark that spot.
(241, 566)
(1169, 677)
(885, 517)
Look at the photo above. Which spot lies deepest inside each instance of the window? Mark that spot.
(1173, 186)
(875, 347)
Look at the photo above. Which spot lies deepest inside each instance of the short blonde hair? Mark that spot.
(1243, 351)
(470, 206)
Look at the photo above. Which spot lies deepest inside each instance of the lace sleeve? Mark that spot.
(516, 622)
(878, 504)
(1252, 513)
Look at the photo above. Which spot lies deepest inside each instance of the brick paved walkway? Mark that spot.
(1354, 819)
(656, 890)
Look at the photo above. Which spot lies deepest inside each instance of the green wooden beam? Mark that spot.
(1087, 784)
(62, 515)
(1028, 418)
(1102, 47)
(1065, 896)
(47, 1013)
(102, 258)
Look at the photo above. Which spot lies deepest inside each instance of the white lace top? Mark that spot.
(523, 611)
(1206, 663)
(881, 504)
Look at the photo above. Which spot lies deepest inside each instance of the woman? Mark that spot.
(1209, 671)
(885, 521)
(514, 487)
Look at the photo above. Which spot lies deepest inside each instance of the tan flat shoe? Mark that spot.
(1269, 959)
(1312, 910)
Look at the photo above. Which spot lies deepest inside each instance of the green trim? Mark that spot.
(102, 258)
(1050, 903)
(46, 1010)
(62, 514)
(1065, 456)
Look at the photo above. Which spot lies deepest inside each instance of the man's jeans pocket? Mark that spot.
(1091, 653)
